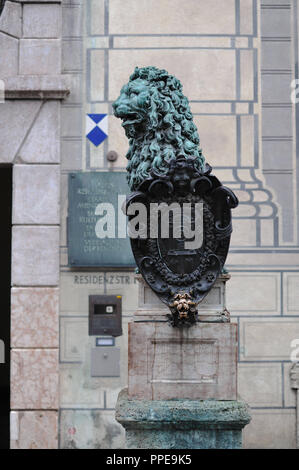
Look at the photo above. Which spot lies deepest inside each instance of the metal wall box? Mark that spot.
(105, 315)
(105, 362)
(86, 191)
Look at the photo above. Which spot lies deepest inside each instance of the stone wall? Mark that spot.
(236, 60)
(30, 66)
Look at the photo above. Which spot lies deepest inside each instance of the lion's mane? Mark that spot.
(163, 128)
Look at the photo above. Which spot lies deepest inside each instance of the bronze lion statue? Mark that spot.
(158, 123)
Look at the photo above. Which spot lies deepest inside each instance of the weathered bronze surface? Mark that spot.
(166, 166)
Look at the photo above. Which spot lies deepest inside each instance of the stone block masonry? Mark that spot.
(30, 43)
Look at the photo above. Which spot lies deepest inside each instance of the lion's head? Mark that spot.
(158, 123)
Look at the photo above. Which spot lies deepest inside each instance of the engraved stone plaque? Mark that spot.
(86, 192)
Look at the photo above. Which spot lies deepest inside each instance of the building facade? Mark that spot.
(61, 60)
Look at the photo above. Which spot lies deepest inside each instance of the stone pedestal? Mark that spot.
(182, 382)
(182, 424)
(199, 362)
(211, 309)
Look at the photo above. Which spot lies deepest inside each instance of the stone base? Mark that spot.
(182, 424)
(196, 363)
(211, 309)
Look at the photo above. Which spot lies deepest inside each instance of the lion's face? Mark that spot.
(158, 123)
(132, 106)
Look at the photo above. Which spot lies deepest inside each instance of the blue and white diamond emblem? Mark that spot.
(96, 128)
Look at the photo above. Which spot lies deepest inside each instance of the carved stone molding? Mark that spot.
(36, 87)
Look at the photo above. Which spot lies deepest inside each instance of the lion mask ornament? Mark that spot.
(158, 123)
(166, 167)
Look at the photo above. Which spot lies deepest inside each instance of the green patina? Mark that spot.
(158, 123)
(182, 424)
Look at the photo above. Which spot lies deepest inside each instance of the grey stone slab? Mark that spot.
(87, 247)
(275, 22)
(90, 429)
(35, 256)
(276, 88)
(11, 19)
(291, 293)
(42, 144)
(9, 60)
(277, 155)
(34, 317)
(14, 129)
(184, 439)
(71, 155)
(72, 21)
(105, 362)
(36, 87)
(279, 333)
(72, 55)
(276, 2)
(282, 184)
(277, 122)
(207, 79)
(40, 56)
(77, 388)
(41, 21)
(197, 364)
(36, 191)
(182, 424)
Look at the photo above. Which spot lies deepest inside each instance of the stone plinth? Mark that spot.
(199, 362)
(182, 382)
(182, 424)
(211, 309)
